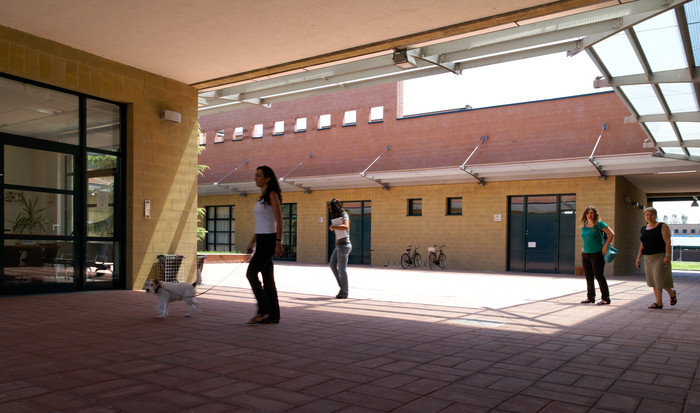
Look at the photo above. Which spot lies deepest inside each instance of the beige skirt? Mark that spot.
(658, 274)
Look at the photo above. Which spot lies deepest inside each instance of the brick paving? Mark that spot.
(405, 341)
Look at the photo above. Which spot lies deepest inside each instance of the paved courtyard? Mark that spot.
(405, 341)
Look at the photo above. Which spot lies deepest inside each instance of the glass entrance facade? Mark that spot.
(61, 174)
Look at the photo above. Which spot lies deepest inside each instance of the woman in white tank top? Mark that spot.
(267, 242)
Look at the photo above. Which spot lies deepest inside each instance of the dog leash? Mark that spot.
(246, 261)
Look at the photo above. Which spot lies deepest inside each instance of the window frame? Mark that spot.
(275, 130)
(236, 135)
(322, 124)
(297, 128)
(220, 136)
(450, 209)
(373, 118)
(353, 121)
(258, 131)
(211, 237)
(412, 210)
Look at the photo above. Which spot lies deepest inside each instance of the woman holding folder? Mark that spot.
(340, 224)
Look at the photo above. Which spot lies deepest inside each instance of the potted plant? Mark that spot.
(30, 218)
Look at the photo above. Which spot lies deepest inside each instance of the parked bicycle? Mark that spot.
(411, 258)
(436, 257)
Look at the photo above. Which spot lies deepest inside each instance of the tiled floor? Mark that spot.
(405, 341)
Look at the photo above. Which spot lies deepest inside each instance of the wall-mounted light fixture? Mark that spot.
(695, 202)
(171, 116)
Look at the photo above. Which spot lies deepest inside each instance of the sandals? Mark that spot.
(656, 306)
(588, 301)
(674, 299)
(259, 318)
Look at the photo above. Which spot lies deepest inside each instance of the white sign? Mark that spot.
(532, 244)
(497, 217)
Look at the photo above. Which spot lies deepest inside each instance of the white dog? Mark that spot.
(168, 292)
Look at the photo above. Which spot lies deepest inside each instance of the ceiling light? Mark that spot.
(676, 172)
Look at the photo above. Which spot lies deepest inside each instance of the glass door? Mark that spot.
(38, 212)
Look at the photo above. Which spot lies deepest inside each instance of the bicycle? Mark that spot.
(408, 258)
(436, 257)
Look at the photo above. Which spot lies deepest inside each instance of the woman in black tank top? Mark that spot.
(656, 250)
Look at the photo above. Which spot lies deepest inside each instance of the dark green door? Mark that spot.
(541, 233)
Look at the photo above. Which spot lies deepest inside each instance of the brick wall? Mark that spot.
(161, 156)
(552, 129)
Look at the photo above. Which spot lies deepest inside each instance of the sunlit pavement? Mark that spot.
(410, 340)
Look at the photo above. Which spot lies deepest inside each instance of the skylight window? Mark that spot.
(618, 55)
(661, 131)
(661, 42)
(680, 97)
(643, 98)
(689, 130)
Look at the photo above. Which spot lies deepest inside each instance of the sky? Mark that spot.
(669, 208)
(546, 77)
(527, 80)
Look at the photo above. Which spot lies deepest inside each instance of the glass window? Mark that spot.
(415, 207)
(40, 113)
(202, 138)
(376, 114)
(279, 128)
(238, 133)
(324, 121)
(685, 231)
(454, 206)
(350, 118)
(300, 125)
(221, 227)
(102, 169)
(103, 125)
(219, 136)
(258, 130)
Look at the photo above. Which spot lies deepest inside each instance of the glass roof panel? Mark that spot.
(690, 131)
(643, 98)
(661, 42)
(680, 97)
(692, 15)
(618, 56)
(661, 131)
(674, 151)
(694, 151)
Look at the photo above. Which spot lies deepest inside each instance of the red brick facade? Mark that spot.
(552, 129)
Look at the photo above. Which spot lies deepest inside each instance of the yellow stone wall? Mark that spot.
(475, 240)
(161, 156)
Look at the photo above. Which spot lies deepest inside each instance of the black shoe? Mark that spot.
(588, 301)
(341, 296)
(603, 302)
(270, 321)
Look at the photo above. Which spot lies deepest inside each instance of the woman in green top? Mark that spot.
(595, 246)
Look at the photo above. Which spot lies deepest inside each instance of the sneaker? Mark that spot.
(259, 318)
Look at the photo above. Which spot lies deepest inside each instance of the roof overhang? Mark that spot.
(618, 165)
